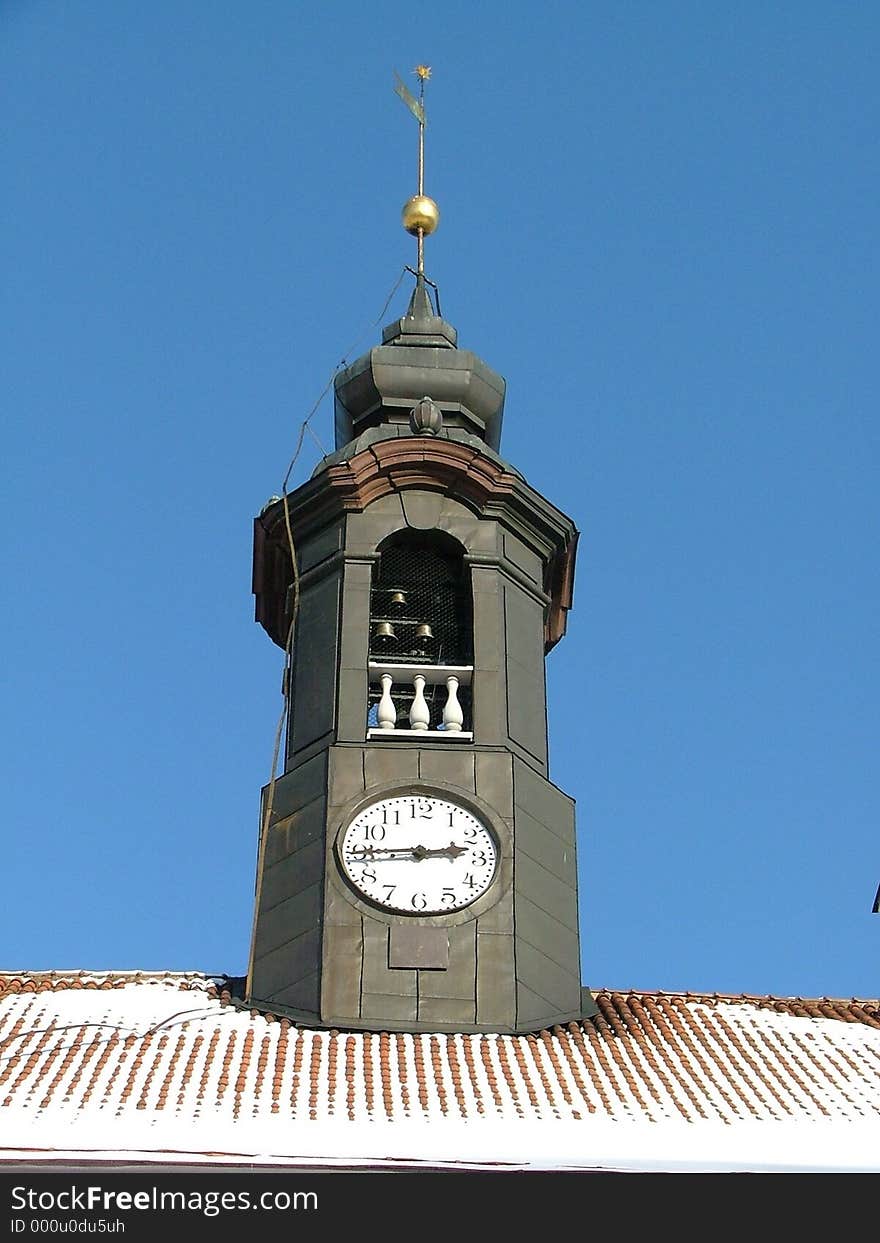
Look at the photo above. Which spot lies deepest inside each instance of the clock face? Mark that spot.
(418, 855)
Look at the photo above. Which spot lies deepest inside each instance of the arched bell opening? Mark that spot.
(421, 637)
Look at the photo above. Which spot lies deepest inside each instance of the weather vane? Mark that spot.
(421, 215)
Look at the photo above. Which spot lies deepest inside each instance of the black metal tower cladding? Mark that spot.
(417, 868)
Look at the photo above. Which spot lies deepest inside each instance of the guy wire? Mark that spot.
(294, 610)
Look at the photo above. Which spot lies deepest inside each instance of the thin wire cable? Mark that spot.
(284, 715)
(197, 1014)
(343, 362)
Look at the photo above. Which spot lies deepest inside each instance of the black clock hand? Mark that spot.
(450, 852)
(419, 852)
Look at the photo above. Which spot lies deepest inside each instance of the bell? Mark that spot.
(424, 631)
(383, 631)
(398, 598)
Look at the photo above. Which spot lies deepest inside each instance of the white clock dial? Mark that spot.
(418, 855)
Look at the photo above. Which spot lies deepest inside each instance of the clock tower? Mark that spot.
(416, 867)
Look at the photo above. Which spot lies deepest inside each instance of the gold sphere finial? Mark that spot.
(420, 214)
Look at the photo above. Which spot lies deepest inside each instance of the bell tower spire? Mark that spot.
(417, 868)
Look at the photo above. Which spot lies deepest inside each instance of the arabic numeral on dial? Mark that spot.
(369, 876)
(448, 896)
(395, 818)
(479, 859)
(389, 890)
(469, 881)
(373, 832)
(419, 901)
(470, 832)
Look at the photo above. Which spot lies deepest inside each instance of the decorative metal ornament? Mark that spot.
(426, 418)
(420, 214)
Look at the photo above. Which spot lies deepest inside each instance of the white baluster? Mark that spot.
(419, 713)
(453, 717)
(387, 713)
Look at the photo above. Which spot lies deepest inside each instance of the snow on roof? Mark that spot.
(120, 1067)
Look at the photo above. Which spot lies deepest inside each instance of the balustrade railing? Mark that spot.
(421, 699)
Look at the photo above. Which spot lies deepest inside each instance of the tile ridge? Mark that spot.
(103, 972)
(766, 998)
(59, 981)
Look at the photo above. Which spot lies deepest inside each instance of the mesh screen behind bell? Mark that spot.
(435, 587)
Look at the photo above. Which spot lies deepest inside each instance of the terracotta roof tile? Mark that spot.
(86, 1055)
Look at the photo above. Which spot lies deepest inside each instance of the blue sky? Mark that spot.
(659, 224)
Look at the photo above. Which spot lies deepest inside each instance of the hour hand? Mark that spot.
(444, 852)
